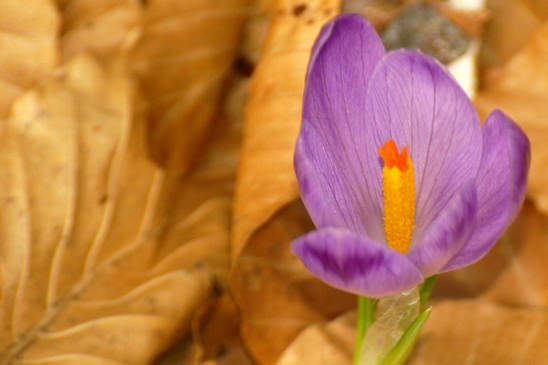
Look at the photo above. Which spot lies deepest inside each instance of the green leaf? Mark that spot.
(399, 353)
(425, 289)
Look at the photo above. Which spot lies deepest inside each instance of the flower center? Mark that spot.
(398, 188)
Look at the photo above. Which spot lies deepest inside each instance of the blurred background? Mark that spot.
(147, 193)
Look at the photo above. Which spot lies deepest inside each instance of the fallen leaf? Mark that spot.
(323, 344)
(501, 41)
(215, 325)
(273, 115)
(183, 58)
(103, 27)
(233, 356)
(514, 271)
(457, 332)
(478, 332)
(96, 240)
(277, 297)
(521, 90)
(28, 40)
(217, 330)
(255, 30)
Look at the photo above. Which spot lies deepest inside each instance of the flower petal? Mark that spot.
(327, 156)
(447, 233)
(413, 100)
(500, 182)
(355, 263)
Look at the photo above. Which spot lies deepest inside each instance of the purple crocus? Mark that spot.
(396, 171)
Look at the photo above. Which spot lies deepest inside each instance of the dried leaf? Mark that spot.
(513, 273)
(478, 332)
(233, 356)
(457, 332)
(97, 241)
(104, 27)
(215, 326)
(217, 330)
(273, 115)
(214, 338)
(323, 344)
(29, 46)
(276, 295)
(266, 283)
(183, 58)
(256, 29)
(501, 41)
(521, 90)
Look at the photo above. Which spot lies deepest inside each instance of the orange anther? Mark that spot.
(391, 157)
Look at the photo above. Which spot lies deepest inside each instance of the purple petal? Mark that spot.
(327, 157)
(413, 100)
(500, 182)
(355, 263)
(447, 233)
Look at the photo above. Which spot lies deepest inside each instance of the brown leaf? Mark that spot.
(215, 326)
(277, 297)
(511, 25)
(231, 357)
(97, 241)
(323, 344)
(255, 30)
(521, 90)
(104, 27)
(457, 332)
(184, 56)
(218, 330)
(478, 332)
(513, 273)
(214, 338)
(273, 115)
(28, 40)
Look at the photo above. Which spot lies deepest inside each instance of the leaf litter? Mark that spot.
(134, 230)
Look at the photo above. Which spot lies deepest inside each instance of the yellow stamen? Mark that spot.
(398, 188)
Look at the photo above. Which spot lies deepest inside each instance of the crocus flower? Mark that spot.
(394, 168)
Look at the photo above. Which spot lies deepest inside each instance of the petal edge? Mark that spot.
(327, 156)
(447, 233)
(501, 184)
(356, 264)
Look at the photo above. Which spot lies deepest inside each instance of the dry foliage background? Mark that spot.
(147, 195)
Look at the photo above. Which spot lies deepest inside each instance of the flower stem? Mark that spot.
(366, 316)
(425, 289)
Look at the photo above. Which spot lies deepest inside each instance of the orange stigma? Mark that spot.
(391, 157)
(398, 188)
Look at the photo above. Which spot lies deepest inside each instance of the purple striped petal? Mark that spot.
(500, 182)
(355, 263)
(413, 100)
(328, 158)
(447, 233)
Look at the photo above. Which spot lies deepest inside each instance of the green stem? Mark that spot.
(366, 316)
(425, 289)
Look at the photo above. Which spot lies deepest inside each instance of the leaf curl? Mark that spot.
(97, 240)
